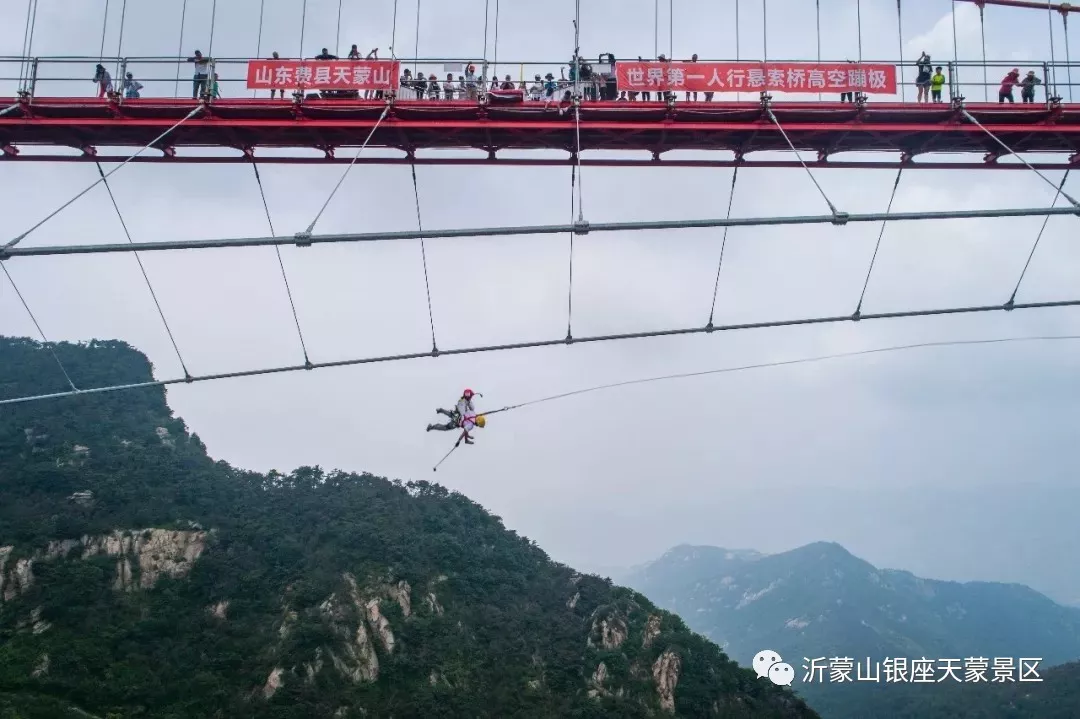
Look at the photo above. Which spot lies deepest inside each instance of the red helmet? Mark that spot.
(467, 393)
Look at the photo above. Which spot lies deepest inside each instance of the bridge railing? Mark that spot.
(170, 77)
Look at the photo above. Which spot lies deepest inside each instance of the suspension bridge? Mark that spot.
(644, 109)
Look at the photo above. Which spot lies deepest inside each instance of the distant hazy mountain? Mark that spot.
(821, 601)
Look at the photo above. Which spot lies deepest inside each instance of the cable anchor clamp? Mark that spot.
(569, 338)
(857, 314)
(581, 227)
(840, 218)
(1010, 305)
(303, 239)
(434, 350)
(709, 327)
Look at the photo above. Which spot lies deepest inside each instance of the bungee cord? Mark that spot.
(780, 363)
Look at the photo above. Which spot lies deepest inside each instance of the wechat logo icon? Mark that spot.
(768, 663)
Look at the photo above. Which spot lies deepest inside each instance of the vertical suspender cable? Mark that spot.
(303, 23)
(393, 33)
(738, 95)
(1053, 60)
(982, 32)
(495, 59)
(656, 29)
(953, 81)
(671, 30)
(281, 264)
(258, 43)
(723, 245)
(210, 48)
(900, 36)
(180, 51)
(484, 64)
(765, 29)
(858, 26)
(817, 16)
(337, 47)
(104, 27)
(416, 39)
(38, 326)
(24, 59)
(120, 43)
(30, 46)
(1068, 61)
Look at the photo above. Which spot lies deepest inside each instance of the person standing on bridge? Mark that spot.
(1005, 92)
(936, 83)
(103, 80)
(1027, 87)
(202, 74)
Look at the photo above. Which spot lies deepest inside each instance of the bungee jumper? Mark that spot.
(463, 416)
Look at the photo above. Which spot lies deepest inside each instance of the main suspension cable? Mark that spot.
(881, 233)
(1012, 297)
(541, 343)
(345, 174)
(142, 268)
(423, 256)
(281, 264)
(143, 149)
(74, 389)
(1017, 156)
(723, 244)
(806, 167)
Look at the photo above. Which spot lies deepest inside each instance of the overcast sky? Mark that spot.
(954, 463)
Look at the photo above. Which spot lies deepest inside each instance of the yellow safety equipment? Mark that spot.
(481, 421)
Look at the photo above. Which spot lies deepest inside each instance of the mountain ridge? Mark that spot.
(142, 577)
(821, 602)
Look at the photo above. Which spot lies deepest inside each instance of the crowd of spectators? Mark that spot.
(597, 83)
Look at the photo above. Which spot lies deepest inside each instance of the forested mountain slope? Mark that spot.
(139, 578)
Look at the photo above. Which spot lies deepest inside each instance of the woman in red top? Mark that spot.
(1010, 81)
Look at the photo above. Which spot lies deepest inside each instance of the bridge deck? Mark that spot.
(246, 125)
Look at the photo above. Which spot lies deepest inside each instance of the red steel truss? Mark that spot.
(741, 128)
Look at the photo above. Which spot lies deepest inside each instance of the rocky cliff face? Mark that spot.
(142, 556)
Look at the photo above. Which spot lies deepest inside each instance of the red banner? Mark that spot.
(805, 77)
(323, 74)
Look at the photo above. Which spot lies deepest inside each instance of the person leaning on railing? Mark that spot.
(202, 74)
(1027, 87)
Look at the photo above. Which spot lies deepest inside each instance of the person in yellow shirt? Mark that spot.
(936, 83)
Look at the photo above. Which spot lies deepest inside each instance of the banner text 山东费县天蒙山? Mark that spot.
(323, 74)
